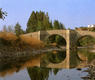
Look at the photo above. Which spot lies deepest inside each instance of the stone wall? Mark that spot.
(71, 36)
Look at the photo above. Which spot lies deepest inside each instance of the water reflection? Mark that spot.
(61, 59)
(78, 61)
(11, 67)
(37, 73)
(54, 57)
(48, 65)
(87, 55)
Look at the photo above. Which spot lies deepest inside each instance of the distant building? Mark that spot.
(90, 26)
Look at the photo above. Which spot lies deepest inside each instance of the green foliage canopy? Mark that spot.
(40, 21)
(2, 14)
(86, 41)
(18, 29)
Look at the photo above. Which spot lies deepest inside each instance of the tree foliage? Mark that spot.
(59, 40)
(40, 73)
(86, 41)
(18, 29)
(2, 14)
(40, 21)
(9, 28)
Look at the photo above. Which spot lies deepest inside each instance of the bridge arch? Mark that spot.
(56, 38)
(87, 38)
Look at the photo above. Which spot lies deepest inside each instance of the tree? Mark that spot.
(62, 26)
(11, 29)
(38, 21)
(32, 23)
(18, 29)
(2, 14)
(46, 23)
(4, 28)
(56, 24)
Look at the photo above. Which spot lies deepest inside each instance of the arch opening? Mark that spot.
(86, 41)
(56, 39)
(57, 56)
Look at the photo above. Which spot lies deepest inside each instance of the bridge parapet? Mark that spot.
(45, 34)
(83, 33)
(71, 36)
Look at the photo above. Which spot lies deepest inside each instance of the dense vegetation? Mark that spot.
(40, 21)
(86, 41)
(18, 29)
(59, 40)
(37, 73)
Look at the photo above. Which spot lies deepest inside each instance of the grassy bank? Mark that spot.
(10, 40)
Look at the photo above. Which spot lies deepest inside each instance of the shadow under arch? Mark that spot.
(56, 38)
(85, 40)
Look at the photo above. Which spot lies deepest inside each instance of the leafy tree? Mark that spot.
(32, 23)
(46, 23)
(10, 28)
(2, 14)
(68, 28)
(56, 24)
(4, 28)
(18, 29)
(38, 21)
(62, 26)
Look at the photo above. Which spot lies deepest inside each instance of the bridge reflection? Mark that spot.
(55, 59)
(72, 60)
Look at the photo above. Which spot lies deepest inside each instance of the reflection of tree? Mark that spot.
(55, 71)
(38, 73)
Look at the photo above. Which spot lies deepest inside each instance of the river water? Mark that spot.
(51, 65)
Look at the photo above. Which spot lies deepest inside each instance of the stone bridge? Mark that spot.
(71, 36)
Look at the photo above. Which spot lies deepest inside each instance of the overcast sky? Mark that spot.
(72, 13)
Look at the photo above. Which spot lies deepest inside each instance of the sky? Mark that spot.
(72, 13)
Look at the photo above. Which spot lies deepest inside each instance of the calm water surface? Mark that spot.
(54, 65)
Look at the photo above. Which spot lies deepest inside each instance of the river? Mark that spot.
(50, 65)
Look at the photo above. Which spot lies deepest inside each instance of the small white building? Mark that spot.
(90, 26)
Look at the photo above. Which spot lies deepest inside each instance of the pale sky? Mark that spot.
(72, 13)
